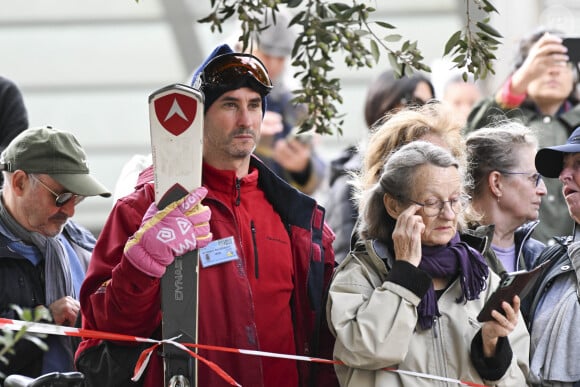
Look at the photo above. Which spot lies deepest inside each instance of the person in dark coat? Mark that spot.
(13, 113)
(43, 253)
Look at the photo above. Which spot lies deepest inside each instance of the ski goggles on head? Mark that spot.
(227, 69)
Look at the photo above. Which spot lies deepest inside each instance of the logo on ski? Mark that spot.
(175, 112)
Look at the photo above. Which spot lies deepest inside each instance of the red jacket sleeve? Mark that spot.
(115, 296)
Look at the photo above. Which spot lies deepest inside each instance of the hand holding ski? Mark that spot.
(179, 228)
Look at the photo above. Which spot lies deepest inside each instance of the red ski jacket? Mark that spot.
(116, 297)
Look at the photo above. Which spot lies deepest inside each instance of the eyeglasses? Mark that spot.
(434, 207)
(229, 68)
(533, 177)
(60, 199)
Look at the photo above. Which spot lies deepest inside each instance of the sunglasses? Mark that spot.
(229, 68)
(60, 199)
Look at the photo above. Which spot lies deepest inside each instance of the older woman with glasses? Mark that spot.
(507, 193)
(386, 95)
(431, 122)
(403, 304)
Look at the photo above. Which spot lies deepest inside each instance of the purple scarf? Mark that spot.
(448, 261)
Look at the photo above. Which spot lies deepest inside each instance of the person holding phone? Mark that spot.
(412, 284)
(555, 309)
(541, 94)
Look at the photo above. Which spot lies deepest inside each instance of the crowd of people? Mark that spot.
(422, 222)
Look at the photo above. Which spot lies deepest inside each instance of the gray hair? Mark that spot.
(398, 180)
(492, 149)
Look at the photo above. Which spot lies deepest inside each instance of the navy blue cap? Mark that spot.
(211, 94)
(550, 160)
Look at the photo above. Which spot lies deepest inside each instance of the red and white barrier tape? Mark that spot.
(143, 361)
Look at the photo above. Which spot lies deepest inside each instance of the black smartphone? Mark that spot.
(517, 283)
(573, 46)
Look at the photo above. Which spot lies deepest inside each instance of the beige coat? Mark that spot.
(375, 325)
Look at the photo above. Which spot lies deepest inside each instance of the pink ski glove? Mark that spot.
(180, 227)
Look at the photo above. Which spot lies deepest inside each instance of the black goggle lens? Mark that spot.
(229, 68)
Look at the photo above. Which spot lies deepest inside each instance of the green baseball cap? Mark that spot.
(56, 153)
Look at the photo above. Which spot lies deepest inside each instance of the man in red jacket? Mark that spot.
(269, 297)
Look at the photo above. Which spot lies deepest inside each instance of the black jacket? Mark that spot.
(341, 210)
(22, 283)
(560, 265)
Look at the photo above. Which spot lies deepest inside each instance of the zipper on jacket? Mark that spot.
(238, 194)
(520, 253)
(256, 267)
(439, 351)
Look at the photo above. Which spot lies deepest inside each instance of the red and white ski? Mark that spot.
(176, 125)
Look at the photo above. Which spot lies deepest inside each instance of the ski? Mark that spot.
(176, 126)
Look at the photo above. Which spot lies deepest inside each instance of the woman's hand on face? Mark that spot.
(547, 52)
(500, 326)
(407, 235)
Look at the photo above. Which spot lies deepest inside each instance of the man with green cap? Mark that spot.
(43, 254)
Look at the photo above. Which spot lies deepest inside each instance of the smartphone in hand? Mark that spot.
(517, 283)
(573, 46)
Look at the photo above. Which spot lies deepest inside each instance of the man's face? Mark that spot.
(232, 127)
(570, 178)
(462, 96)
(37, 210)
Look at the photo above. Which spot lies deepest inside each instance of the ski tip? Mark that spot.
(175, 87)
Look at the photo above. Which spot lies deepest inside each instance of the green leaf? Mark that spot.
(395, 65)
(488, 7)
(292, 3)
(385, 25)
(375, 51)
(297, 18)
(488, 39)
(392, 38)
(339, 7)
(452, 42)
(361, 33)
(207, 19)
(489, 29)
